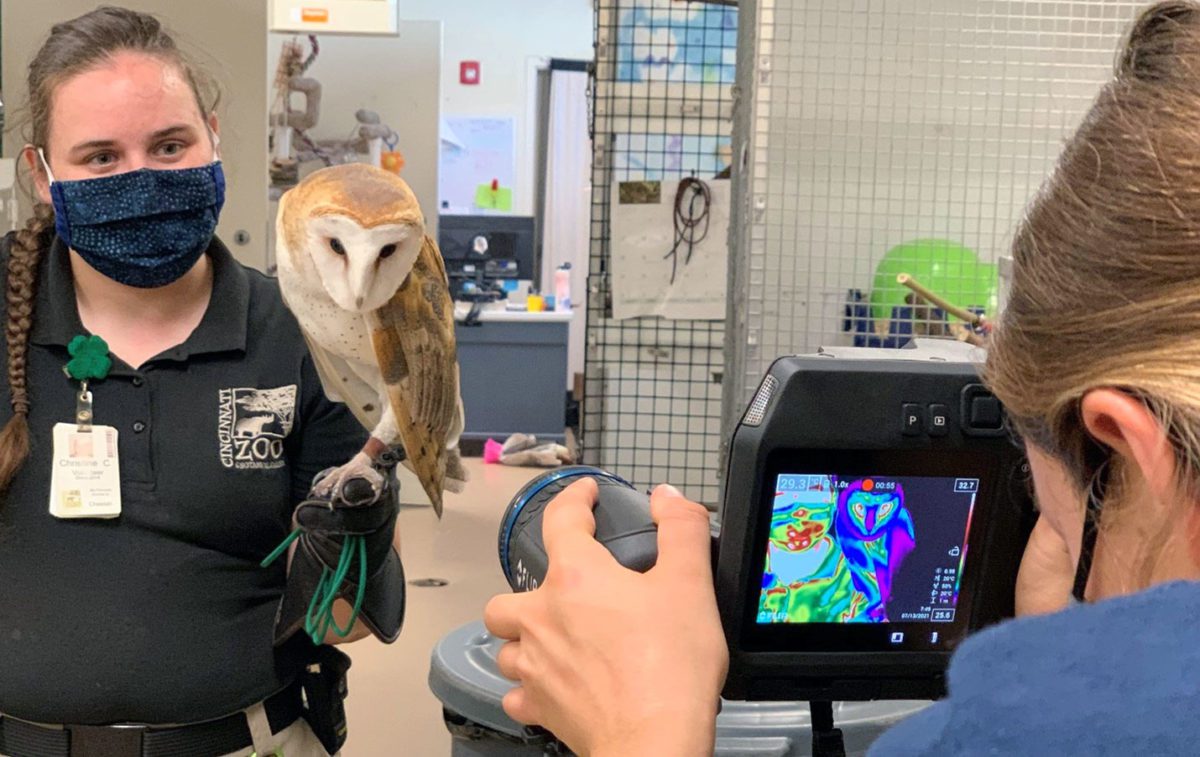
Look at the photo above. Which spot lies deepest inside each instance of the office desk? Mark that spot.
(513, 373)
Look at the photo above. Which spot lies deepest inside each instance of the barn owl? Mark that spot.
(369, 289)
(875, 531)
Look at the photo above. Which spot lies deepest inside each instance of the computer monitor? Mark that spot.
(507, 247)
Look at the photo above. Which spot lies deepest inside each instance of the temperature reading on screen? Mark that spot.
(942, 596)
(873, 549)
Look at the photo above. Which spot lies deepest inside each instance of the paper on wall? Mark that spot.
(669, 156)
(474, 152)
(500, 198)
(643, 232)
(669, 43)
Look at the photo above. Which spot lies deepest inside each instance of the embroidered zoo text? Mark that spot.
(252, 424)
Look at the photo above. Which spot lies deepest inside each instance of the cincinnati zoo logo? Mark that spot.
(252, 425)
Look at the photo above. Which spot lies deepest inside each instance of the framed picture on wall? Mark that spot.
(670, 70)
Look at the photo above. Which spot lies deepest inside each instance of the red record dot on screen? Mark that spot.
(868, 485)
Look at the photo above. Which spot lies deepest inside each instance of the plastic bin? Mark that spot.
(464, 676)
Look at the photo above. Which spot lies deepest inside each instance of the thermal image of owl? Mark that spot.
(875, 532)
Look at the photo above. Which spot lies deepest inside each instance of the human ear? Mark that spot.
(1127, 426)
(41, 182)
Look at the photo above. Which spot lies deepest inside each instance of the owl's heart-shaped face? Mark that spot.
(361, 268)
(871, 512)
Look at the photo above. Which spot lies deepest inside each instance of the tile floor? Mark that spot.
(391, 711)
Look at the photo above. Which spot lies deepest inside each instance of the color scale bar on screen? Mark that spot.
(962, 560)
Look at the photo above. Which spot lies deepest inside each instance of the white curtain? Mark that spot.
(567, 219)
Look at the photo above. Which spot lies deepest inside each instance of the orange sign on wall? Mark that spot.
(315, 15)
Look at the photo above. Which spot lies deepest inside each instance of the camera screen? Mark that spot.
(865, 549)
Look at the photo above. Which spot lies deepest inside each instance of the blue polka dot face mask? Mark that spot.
(143, 228)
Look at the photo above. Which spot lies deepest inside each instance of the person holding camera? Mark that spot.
(1095, 360)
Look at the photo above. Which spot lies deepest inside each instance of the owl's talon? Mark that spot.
(343, 483)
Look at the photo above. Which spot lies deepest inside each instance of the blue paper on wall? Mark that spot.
(677, 42)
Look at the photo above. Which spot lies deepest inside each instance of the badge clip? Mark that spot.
(89, 360)
(83, 409)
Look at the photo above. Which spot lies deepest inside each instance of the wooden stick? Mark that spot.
(960, 313)
(963, 333)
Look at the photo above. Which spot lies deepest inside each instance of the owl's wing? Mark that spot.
(342, 384)
(414, 342)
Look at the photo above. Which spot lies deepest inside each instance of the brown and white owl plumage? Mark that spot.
(369, 289)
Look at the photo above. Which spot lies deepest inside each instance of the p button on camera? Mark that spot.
(912, 419)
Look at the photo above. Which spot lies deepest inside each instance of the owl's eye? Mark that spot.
(387, 251)
(335, 244)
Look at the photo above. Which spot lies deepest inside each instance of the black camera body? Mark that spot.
(875, 514)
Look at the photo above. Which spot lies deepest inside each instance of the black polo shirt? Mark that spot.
(163, 615)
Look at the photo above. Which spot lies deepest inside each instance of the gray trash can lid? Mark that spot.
(464, 676)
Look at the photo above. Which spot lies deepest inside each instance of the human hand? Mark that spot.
(615, 662)
(1047, 572)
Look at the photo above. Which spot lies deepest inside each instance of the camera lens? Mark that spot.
(623, 525)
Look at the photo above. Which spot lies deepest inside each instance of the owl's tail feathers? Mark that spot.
(430, 472)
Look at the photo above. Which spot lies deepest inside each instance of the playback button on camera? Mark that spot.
(939, 420)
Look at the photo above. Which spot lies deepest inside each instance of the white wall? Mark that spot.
(505, 38)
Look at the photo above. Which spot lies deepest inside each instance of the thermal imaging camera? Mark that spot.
(875, 514)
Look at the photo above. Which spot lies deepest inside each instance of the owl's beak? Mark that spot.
(359, 278)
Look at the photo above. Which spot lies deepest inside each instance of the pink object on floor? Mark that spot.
(491, 451)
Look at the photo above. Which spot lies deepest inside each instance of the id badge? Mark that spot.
(86, 480)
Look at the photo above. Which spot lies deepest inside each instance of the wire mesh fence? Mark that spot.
(885, 138)
(874, 138)
(661, 112)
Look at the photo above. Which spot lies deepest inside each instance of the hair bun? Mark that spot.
(1160, 39)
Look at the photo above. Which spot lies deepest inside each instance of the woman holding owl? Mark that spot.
(188, 425)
